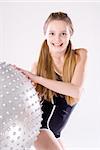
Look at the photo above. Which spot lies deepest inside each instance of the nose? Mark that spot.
(57, 39)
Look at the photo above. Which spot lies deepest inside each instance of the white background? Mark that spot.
(21, 36)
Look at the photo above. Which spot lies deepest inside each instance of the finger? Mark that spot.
(13, 65)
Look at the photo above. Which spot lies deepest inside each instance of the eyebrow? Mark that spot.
(61, 31)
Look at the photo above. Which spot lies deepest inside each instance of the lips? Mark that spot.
(57, 45)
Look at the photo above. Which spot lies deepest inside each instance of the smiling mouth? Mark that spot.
(57, 45)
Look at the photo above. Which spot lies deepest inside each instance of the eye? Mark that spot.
(51, 33)
(64, 34)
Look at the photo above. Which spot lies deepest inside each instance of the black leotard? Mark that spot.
(56, 113)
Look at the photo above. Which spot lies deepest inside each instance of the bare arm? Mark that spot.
(72, 89)
(79, 73)
(67, 88)
(59, 86)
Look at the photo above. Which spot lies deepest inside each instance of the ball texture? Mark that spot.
(20, 110)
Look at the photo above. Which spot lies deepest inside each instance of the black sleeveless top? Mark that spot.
(60, 98)
(55, 115)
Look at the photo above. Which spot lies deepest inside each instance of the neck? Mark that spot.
(58, 63)
(58, 58)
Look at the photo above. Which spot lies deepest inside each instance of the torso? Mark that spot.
(56, 114)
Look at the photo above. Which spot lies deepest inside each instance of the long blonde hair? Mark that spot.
(45, 62)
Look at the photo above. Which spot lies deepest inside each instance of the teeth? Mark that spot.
(57, 44)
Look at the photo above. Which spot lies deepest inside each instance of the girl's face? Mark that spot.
(58, 36)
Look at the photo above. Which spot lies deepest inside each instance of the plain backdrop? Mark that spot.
(21, 36)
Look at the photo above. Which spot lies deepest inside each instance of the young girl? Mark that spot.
(58, 77)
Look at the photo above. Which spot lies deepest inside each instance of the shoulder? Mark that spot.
(81, 51)
(81, 54)
(34, 68)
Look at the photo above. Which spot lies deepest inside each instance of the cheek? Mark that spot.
(66, 41)
(49, 41)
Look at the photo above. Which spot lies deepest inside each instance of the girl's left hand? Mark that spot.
(28, 74)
